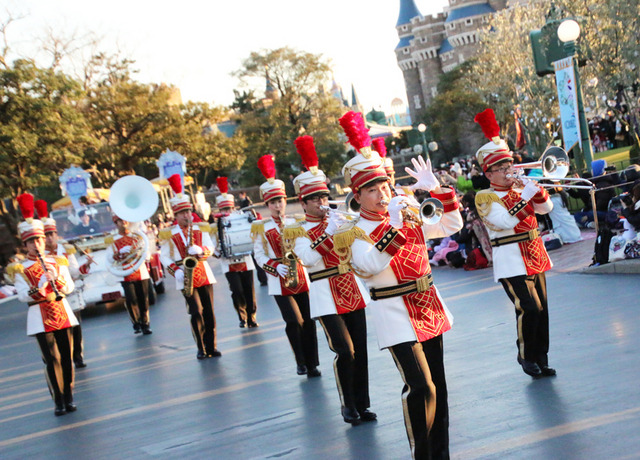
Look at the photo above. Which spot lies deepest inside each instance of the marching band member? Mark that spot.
(136, 284)
(238, 270)
(53, 248)
(270, 251)
(379, 146)
(407, 309)
(520, 259)
(337, 298)
(42, 281)
(186, 241)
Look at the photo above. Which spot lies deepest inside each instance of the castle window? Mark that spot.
(452, 26)
(416, 102)
(423, 39)
(405, 28)
(405, 51)
(469, 21)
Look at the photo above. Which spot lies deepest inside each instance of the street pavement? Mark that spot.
(148, 397)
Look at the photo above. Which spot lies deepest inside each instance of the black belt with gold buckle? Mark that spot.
(420, 285)
(517, 238)
(328, 273)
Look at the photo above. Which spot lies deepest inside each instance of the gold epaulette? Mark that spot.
(204, 227)
(213, 229)
(257, 227)
(70, 249)
(12, 270)
(108, 239)
(484, 200)
(347, 234)
(61, 260)
(299, 217)
(164, 234)
(293, 231)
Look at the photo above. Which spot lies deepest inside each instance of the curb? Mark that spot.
(630, 266)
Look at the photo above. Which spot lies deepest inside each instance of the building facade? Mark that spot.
(432, 45)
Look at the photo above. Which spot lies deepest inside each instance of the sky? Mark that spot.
(196, 44)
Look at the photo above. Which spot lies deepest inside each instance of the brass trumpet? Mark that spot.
(430, 211)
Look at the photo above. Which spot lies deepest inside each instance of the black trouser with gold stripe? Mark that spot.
(57, 351)
(136, 295)
(78, 344)
(347, 338)
(243, 294)
(529, 295)
(424, 397)
(203, 319)
(300, 327)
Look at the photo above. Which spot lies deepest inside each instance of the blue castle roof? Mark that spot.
(445, 46)
(404, 41)
(469, 11)
(408, 10)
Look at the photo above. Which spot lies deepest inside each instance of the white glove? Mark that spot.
(396, 205)
(425, 179)
(336, 220)
(195, 250)
(282, 270)
(43, 282)
(125, 250)
(530, 189)
(179, 274)
(216, 253)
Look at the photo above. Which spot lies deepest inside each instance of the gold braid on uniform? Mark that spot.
(12, 270)
(213, 232)
(289, 235)
(70, 249)
(257, 228)
(342, 242)
(484, 201)
(165, 235)
(61, 260)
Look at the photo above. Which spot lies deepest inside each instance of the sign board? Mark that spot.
(568, 102)
(75, 182)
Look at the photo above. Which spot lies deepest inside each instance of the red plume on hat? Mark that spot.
(353, 125)
(306, 149)
(267, 167)
(175, 182)
(41, 209)
(489, 125)
(223, 184)
(25, 203)
(379, 146)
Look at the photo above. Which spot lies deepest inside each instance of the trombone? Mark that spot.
(555, 164)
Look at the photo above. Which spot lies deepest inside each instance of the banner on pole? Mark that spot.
(568, 102)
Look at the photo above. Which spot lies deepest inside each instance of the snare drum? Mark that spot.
(234, 233)
(76, 300)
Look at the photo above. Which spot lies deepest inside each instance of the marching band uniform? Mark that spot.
(379, 146)
(293, 302)
(136, 284)
(519, 256)
(239, 270)
(75, 299)
(407, 309)
(49, 320)
(177, 244)
(337, 298)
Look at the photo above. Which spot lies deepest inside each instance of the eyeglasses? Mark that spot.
(502, 170)
(317, 199)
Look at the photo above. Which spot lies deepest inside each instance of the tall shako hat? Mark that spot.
(380, 147)
(225, 199)
(314, 180)
(272, 188)
(30, 227)
(180, 201)
(367, 165)
(497, 149)
(43, 214)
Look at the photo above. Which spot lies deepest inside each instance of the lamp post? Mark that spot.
(568, 33)
(422, 128)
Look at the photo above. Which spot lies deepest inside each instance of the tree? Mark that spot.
(42, 131)
(293, 106)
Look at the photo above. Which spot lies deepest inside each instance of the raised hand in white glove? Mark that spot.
(396, 205)
(195, 250)
(282, 270)
(423, 174)
(530, 189)
(125, 250)
(336, 220)
(179, 274)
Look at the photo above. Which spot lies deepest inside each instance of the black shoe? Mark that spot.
(530, 368)
(252, 324)
(301, 369)
(59, 410)
(242, 324)
(264, 284)
(146, 330)
(313, 372)
(137, 329)
(79, 364)
(201, 355)
(351, 416)
(367, 416)
(70, 407)
(214, 354)
(547, 371)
